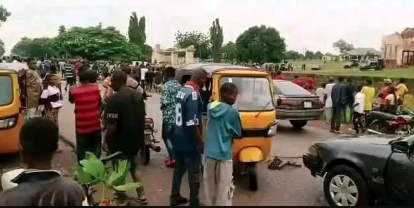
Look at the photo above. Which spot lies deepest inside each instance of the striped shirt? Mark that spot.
(68, 70)
(87, 99)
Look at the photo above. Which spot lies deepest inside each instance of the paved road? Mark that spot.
(290, 186)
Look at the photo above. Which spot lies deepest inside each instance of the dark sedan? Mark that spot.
(296, 104)
(364, 170)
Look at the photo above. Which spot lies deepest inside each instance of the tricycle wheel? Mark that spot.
(145, 155)
(252, 174)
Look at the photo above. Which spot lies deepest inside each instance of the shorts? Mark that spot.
(70, 81)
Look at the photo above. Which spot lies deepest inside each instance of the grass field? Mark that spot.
(336, 68)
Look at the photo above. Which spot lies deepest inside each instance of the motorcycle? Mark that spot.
(150, 141)
(386, 123)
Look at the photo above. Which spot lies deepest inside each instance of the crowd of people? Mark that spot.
(121, 114)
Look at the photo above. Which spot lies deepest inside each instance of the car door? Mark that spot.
(400, 178)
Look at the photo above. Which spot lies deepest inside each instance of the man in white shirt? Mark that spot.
(358, 109)
(144, 70)
(328, 101)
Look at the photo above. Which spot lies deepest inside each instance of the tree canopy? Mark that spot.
(293, 55)
(229, 51)
(4, 14)
(137, 35)
(2, 49)
(260, 44)
(97, 43)
(199, 40)
(216, 39)
(342, 46)
(36, 47)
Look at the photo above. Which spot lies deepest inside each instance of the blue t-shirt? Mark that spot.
(188, 112)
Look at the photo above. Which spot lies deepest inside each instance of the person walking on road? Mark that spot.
(358, 110)
(51, 98)
(32, 90)
(87, 100)
(69, 74)
(187, 141)
(339, 102)
(350, 92)
(223, 126)
(328, 99)
(168, 104)
(124, 121)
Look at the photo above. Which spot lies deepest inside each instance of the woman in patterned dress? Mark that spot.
(51, 98)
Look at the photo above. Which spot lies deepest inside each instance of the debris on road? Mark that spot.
(279, 164)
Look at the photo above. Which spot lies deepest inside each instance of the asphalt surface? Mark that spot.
(289, 186)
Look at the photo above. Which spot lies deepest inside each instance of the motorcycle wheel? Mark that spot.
(403, 130)
(378, 127)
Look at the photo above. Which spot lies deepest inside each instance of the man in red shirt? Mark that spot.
(279, 76)
(310, 83)
(87, 100)
(297, 80)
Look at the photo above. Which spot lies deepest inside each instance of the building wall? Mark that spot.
(392, 47)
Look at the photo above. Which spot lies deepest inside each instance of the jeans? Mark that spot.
(357, 122)
(167, 132)
(337, 113)
(191, 162)
(89, 142)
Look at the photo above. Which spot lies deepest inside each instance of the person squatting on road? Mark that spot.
(187, 141)
(125, 120)
(39, 184)
(87, 100)
(223, 126)
(168, 104)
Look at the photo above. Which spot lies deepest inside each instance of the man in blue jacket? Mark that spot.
(223, 126)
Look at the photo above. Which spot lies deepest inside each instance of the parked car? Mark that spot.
(296, 104)
(364, 171)
(351, 64)
(376, 65)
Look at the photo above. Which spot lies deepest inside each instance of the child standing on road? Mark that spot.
(222, 127)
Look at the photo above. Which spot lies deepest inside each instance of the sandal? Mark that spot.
(143, 201)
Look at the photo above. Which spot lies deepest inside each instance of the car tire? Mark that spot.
(298, 124)
(355, 183)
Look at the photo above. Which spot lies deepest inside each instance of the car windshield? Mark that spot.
(287, 88)
(253, 93)
(6, 90)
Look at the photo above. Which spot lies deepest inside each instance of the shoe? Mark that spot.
(332, 131)
(181, 200)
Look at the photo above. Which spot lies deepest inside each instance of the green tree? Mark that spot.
(309, 55)
(260, 44)
(342, 46)
(199, 40)
(229, 51)
(318, 55)
(95, 43)
(4, 14)
(2, 49)
(36, 47)
(216, 39)
(292, 55)
(62, 29)
(136, 35)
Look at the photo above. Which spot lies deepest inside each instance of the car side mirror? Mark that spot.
(400, 147)
(277, 100)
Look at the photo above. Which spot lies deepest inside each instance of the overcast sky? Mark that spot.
(311, 24)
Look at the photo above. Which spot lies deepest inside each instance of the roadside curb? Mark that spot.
(67, 142)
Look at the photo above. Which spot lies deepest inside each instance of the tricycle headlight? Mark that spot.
(7, 122)
(272, 130)
(312, 151)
